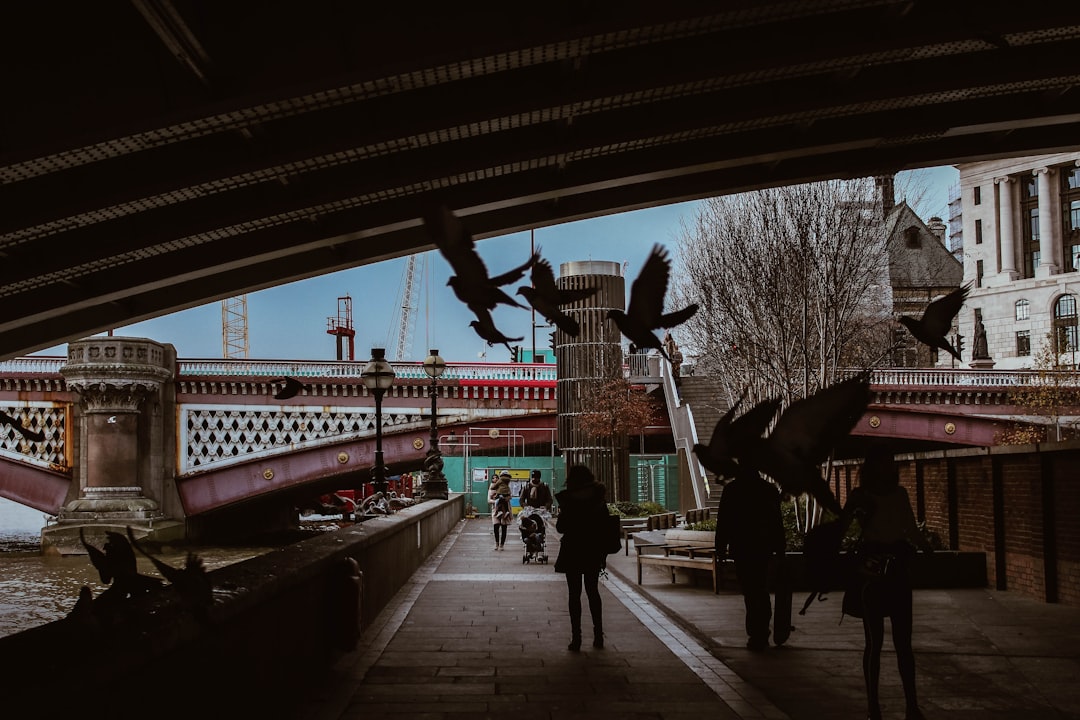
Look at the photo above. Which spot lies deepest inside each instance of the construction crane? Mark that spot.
(234, 327)
(406, 313)
(341, 327)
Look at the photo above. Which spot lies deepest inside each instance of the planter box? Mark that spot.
(675, 536)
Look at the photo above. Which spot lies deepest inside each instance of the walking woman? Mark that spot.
(582, 511)
(888, 541)
(501, 514)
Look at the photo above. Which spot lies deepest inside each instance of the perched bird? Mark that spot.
(291, 389)
(16, 424)
(937, 319)
(805, 435)
(546, 298)
(731, 436)
(191, 581)
(485, 328)
(470, 282)
(646, 310)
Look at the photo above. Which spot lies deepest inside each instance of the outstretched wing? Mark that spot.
(649, 288)
(291, 389)
(810, 429)
(455, 243)
(938, 316)
(98, 559)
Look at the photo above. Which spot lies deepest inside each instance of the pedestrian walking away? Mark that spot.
(750, 527)
(882, 508)
(582, 514)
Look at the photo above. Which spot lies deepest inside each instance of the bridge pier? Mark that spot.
(122, 423)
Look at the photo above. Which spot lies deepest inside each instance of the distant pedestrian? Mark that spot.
(501, 513)
(536, 494)
(887, 544)
(582, 514)
(750, 527)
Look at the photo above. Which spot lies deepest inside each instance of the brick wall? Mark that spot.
(1019, 505)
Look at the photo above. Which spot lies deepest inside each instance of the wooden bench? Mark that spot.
(629, 526)
(697, 515)
(663, 521)
(689, 554)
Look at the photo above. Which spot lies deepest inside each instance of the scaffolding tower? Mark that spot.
(234, 327)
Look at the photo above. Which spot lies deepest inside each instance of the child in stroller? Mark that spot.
(532, 536)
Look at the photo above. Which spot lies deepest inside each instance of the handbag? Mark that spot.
(612, 535)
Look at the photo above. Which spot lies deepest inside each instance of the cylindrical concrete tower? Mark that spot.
(594, 355)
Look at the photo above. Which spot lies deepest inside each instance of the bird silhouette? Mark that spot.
(936, 320)
(470, 282)
(646, 310)
(17, 426)
(546, 298)
(485, 328)
(191, 581)
(291, 389)
(805, 435)
(116, 566)
(732, 435)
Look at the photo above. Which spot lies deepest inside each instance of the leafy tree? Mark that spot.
(1051, 392)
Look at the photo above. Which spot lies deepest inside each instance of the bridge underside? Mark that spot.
(156, 156)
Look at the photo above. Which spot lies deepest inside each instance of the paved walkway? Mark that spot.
(477, 634)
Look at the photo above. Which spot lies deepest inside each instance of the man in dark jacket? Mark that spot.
(536, 493)
(750, 527)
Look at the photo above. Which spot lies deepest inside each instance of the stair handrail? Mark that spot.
(684, 430)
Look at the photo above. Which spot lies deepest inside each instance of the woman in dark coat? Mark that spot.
(889, 535)
(582, 510)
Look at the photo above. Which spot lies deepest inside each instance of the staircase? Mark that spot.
(708, 402)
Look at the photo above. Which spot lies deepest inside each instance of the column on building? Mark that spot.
(1049, 252)
(1006, 233)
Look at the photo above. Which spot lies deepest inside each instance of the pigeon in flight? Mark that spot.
(485, 328)
(646, 310)
(806, 434)
(115, 564)
(470, 282)
(191, 581)
(936, 320)
(292, 388)
(546, 297)
(16, 424)
(731, 435)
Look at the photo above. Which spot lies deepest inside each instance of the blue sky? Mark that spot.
(289, 321)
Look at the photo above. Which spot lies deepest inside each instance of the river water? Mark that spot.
(36, 589)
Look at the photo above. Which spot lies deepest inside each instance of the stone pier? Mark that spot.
(124, 426)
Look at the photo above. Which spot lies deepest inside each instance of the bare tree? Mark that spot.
(793, 285)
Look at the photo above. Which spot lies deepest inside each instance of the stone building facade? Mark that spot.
(1021, 230)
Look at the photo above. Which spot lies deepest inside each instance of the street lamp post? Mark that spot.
(435, 487)
(378, 376)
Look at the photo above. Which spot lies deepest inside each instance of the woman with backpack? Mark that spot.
(582, 516)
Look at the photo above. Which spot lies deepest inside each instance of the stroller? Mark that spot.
(533, 531)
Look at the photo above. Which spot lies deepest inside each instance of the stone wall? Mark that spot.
(278, 623)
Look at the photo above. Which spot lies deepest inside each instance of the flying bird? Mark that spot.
(485, 328)
(806, 434)
(291, 389)
(732, 435)
(17, 426)
(546, 298)
(115, 563)
(191, 581)
(470, 282)
(646, 311)
(936, 320)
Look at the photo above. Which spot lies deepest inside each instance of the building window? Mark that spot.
(1065, 324)
(978, 273)
(912, 239)
(1023, 343)
(1023, 310)
(1070, 221)
(1029, 208)
(976, 194)
(978, 232)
